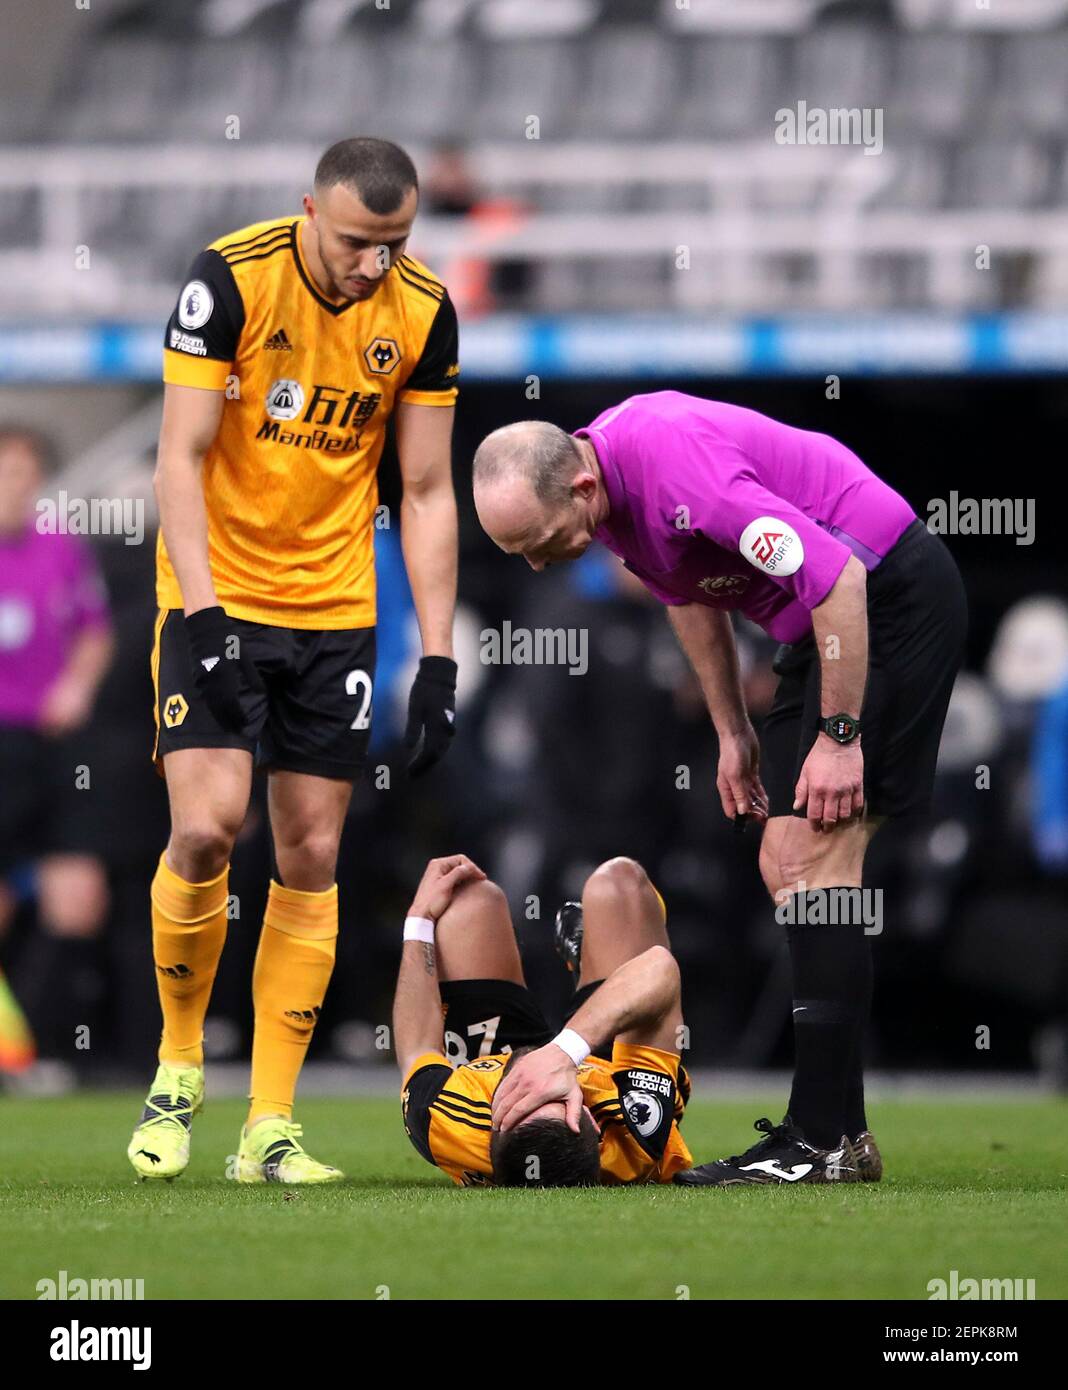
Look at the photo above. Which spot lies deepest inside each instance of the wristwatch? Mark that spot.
(843, 728)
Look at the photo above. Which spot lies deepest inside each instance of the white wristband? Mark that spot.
(418, 929)
(578, 1049)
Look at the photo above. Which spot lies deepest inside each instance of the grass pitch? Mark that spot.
(980, 1187)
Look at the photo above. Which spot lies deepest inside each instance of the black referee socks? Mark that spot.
(832, 973)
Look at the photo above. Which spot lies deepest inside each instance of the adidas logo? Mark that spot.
(303, 1015)
(278, 342)
(176, 972)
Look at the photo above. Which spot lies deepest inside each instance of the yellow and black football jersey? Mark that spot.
(290, 482)
(637, 1100)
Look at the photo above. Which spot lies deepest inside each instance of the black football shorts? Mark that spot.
(494, 1016)
(313, 713)
(45, 806)
(917, 624)
(490, 1016)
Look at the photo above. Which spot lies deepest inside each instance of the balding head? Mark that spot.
(531, 451)
(538, 491)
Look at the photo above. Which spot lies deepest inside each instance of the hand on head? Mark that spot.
(543, 1077)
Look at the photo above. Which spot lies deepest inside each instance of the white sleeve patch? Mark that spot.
(187, 342)
(195, 305)
(773, 546)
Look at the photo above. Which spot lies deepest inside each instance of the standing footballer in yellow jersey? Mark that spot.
(599, 1102)
(291, 345)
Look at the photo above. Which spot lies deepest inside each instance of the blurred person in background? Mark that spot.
(1050, 830)
(1027, 667)
(55, 648)
(975, 921)
(1016, 929)
(477, 283)
(1050, 778)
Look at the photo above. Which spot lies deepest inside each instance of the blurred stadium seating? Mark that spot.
(655, 125)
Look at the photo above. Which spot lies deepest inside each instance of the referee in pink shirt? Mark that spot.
(718, 508)
(55, 648)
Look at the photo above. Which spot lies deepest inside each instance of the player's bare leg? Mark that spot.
(208, 790)
(617, 937)
(487, 1006)
(307, 818)
(622, 916)
(294, 963)
(474, 938)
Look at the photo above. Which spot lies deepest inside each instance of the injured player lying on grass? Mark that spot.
(492, 1096)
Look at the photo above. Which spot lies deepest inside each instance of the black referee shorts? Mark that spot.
(45, 807)
(917, 624)
(313, 714)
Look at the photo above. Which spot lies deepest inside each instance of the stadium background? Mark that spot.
(653, 233)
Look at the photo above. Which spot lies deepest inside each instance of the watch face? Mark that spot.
(842, 727)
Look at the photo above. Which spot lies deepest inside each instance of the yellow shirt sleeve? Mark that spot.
(425, 1059)
(429, 397)
(179, 369)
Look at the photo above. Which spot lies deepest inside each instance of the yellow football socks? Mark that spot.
(188, 931)
(294, 963)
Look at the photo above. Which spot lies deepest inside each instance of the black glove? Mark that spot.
(221, 677)
(431, 712)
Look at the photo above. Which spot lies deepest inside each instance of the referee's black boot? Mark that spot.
(782, 1157)
(869, 1159)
